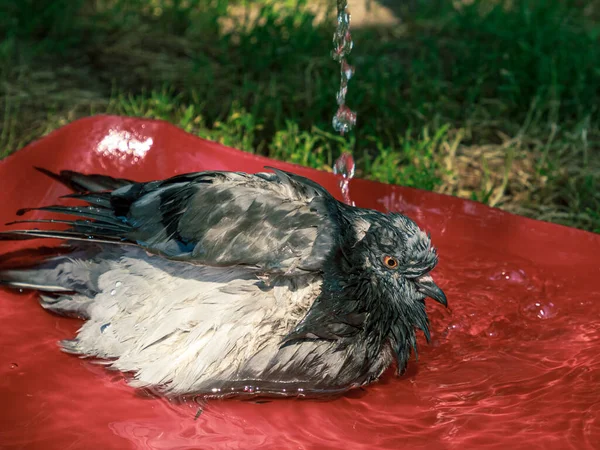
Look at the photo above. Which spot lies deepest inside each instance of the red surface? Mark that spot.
(514, 363)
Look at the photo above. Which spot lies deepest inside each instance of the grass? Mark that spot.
(496, 101)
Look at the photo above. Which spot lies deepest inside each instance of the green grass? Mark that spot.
(496, 101)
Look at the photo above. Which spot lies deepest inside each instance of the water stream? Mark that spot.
(344, 118)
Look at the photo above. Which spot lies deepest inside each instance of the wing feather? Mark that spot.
(276, 222)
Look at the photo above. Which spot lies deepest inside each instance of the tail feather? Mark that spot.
(86, 183)
(97, 221)
(65, 305)
(24, 235)
(31, 286)
(72, 273)
(66, 283)
(99, 215)
(101, 199)
(28, 257)
(85, 226)
(18, 222)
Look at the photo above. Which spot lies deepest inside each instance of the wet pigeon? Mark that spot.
(225, 283)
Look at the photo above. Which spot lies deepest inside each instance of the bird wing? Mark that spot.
(275, 222)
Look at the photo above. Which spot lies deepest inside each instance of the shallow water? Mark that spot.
(500, 371)
(513, 362)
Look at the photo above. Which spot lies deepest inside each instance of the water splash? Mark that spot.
(345, 167)
(539, 309)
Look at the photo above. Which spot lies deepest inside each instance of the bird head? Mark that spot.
(397, 256)
(387, 263)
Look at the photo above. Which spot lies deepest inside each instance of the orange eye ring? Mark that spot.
(390, 262)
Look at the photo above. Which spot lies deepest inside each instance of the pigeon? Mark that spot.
(227, 284)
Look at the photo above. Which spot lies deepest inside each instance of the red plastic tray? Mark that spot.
(513, 363)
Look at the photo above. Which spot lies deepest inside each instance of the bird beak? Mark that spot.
(426, 286)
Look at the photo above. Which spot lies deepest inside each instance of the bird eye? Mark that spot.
(390, 262)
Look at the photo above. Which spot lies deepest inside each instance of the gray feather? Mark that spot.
(275, 222)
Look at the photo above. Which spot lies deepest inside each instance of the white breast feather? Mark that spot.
(183, 331)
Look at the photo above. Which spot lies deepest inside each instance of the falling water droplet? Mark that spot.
(344, 119)
(113, 292)
(118, 284)
(340, 98)
(347, 71)
(345, 167)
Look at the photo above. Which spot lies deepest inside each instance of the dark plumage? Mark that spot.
(259, 281)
